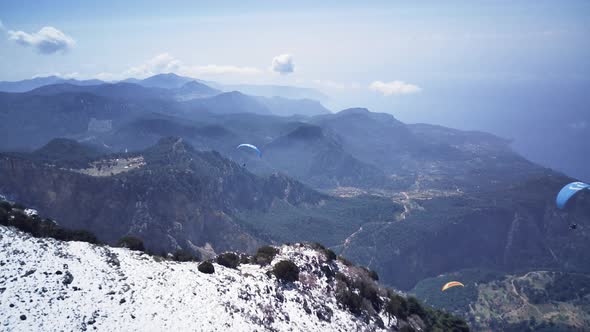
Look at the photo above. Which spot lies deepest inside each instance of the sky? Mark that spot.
(381, 54)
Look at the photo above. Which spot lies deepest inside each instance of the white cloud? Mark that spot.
(161, 63)
(48, 40)
(74, 75)
(108, 77)
(2, 28)
(166, 63)
(283, 64)
(394, 88)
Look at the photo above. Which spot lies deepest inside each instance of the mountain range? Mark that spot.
(410, 201)
(170, 81)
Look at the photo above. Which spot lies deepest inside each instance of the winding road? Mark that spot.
(406, 204)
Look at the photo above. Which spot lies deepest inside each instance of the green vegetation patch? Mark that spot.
(456, 299)
(329, 223)
(286, 271)
(13, 215)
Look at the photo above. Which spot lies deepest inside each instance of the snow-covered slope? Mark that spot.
(50, 285)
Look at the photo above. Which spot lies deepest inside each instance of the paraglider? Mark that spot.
(568, 191)
(451, 284)
(252, 147)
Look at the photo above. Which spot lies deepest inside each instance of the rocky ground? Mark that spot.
(51, 285)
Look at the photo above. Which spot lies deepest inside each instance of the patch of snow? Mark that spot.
(79, 286)
(31, 212)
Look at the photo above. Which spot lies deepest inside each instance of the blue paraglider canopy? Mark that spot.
(250, 146)
(568, 191)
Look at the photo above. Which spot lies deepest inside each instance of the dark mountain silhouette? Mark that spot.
(288, 107)
(194, 89)
(28, 85)
(228, 103)
(426, 154)
(164, 81)
(120, 91)
(66, 152)
(29, 120)
(147, 130)
(307, 153)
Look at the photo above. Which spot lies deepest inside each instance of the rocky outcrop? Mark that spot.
(58, 285)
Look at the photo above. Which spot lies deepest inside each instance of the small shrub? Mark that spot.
(206, 267)
(344, 279)
(6, 206)
(373, 274)
(3, 217)
(286, 271)
(328, 272)
(21, 221)
(228, 259)
(344, 261)
(368, 290)
(443, 321)
(131, 242)
(18, 206)
(330, 255)
(245, 259)
(84, 236)
(265, 255)
(349, 299)
(415, 307)
(184, 256)
(317, 246)
(267, 251)
(406, 328)
(396, 306)
(158, 258)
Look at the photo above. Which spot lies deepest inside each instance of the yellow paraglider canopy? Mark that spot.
(451, 284)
